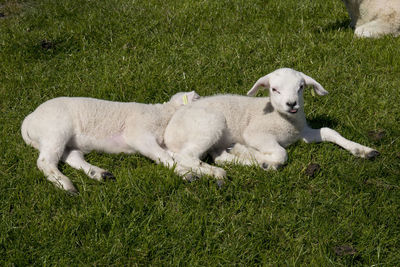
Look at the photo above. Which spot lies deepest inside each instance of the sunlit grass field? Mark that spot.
(347, 213)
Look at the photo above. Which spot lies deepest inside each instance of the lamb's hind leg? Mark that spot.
(75, 159)
(146, 144)
(184, 164)
(188, 164)
(189, 139)
(47, 162)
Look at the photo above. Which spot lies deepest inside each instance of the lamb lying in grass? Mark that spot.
(374, 18)
(260, 128)
(66, 128)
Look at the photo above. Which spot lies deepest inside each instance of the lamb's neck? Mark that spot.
(298, 120)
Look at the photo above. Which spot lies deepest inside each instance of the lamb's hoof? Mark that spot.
(220, 183)
(373, 154)
(73, 191)
(107, 176)
(264, 166)
(272, 166)
(190, 177)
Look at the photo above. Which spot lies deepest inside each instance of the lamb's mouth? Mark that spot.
(293, 111)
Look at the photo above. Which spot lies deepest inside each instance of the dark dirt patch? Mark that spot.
(312, 169)
(47, 45)
(344, 250)
(376, 135)
(381, 184)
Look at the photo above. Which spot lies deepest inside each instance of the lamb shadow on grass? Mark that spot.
(322, 121)
(338, 25)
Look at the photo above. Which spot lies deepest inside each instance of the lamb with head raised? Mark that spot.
(66, 128)
(260, 128)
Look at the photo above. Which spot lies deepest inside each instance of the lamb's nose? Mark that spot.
(291, 104)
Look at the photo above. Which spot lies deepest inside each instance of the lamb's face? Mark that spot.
(286, 91)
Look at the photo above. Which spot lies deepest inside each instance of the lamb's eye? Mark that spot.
(275, 91)
(301, 87)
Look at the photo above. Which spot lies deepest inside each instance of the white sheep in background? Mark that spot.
(374, 18)
(260, 127)
(66, 128)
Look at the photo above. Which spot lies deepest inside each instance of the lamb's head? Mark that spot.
(286, 89)
(183, 98)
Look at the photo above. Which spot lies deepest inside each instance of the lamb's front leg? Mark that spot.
(242, 155)
(226, 156)
(273, 154)
(310, 135)
(372, 29)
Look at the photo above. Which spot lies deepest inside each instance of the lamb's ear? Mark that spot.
(192, 96)
(189, 97)
(317, 87)
(262, 82)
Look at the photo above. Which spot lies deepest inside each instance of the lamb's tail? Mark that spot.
(25, 134)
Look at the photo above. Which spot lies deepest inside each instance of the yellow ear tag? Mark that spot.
(185, 99)
(312, 92)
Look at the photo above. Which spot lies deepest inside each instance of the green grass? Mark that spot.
(146, 50)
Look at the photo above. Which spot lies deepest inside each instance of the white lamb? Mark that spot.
(260, 128)
(66, 128)
(374, 18)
